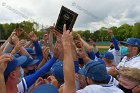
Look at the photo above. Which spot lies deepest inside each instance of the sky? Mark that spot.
(92, 14)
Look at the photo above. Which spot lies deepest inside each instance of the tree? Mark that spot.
(123, 32)
(136, 30)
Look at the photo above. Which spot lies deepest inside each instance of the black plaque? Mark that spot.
(66, 16)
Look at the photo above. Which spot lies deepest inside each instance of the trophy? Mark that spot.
(66, 16)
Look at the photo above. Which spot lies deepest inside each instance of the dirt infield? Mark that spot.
(102, 46)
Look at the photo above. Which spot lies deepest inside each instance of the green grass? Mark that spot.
(102, 50)
(105, 44)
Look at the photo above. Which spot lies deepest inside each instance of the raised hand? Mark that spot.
(68, 66)
(45, 53)
(92, 42)
(45, 37)
(4, 59)
(52, 80)
(110, 31)
(23, 42)
(66, 37)
(52, 28)
(38, 82)
(13, 33)
(18, 31)
(19, 45)
(32, 36)
(57, 50)
(56, 33)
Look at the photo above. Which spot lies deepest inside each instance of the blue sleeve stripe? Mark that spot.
(23, 85)
(112, 79)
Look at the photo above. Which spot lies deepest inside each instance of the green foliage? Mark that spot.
(7, 29)
(122, 33)
(136, 30)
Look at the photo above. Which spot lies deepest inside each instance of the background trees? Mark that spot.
(121, 33)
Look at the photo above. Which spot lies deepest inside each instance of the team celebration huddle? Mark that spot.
(62, 61)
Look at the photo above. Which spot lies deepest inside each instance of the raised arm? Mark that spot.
(45, 57)
(68, 68)
(81, 52)
(30, 80)
(9, 38)
(51, 38)
(95, 49)
(86, 45)
(115, 42)
(16, 32)
(4, 59)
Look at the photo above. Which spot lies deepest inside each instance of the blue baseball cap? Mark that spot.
(57, 71)
(132, 41)
(82, 71)
(96, 71)
(13, 64)
(108, 55)
(46, 88)
(30, 51)
(17, 55)
(30, 62)
(34, 62)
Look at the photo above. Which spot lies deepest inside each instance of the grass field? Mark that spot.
(102, 50)
(103, 43)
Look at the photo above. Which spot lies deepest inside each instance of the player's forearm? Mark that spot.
(14, 51)
(8, 47)
(86, 45)
(41, 63)
(30, 79)
(4, 44)
(28, 44)
(115, 42)
(2, 83)
(23, 51)
(51, 41)
(69, 75)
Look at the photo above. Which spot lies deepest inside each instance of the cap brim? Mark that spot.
(17, 55)
(21, 60)
(46, 88)
(28, 61)
(125, 43)
(13, 64)
(32, 53)
(33, 62)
